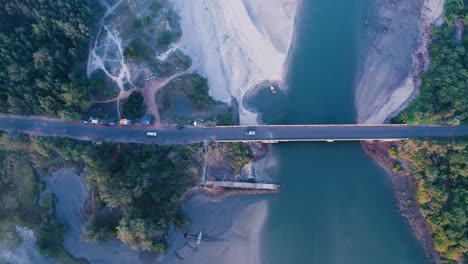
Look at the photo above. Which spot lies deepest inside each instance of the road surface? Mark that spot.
(38, 126)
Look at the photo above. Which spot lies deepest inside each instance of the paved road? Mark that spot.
(52, 127)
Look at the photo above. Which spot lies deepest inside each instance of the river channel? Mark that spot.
(336, 204)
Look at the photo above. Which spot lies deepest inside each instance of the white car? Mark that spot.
(250, 132)
(151, 134)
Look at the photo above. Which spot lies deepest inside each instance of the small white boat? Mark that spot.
(199, 238)
(273, 90)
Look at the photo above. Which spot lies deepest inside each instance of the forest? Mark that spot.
(21, 207)
(137, 188)
(141, 184)
(443, 94)
(441, 167)
(43, 48)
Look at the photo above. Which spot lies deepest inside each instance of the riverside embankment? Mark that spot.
(389, 81)
(396, 56)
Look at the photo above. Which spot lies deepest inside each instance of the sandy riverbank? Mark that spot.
(404, 186)
(237, 43)
(398, 55)
(389, 82)
(232, 230)
(71, 193)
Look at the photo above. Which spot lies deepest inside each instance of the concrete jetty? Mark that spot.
(243, 185)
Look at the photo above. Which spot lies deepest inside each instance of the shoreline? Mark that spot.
(404, 188)
(236, 44)
(231, 230)
(395, 100)
(70, 211)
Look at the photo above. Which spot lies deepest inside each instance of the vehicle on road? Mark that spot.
(180, 126)
(250, 132)
(151, 133)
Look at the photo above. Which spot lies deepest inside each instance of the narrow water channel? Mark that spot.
(336, 204)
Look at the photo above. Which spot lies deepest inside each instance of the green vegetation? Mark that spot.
(194, 87)
(130, 52)
(225, 119)
(444, 89)
(142, 183)
(393, 153)
(146, 183)
(239, 154)
(441, 168)
(101, 227)
(19, 188)
(40, 43)
(186, 99)
(134, 106)
(102, 88)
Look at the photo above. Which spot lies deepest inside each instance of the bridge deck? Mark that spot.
(169, 135)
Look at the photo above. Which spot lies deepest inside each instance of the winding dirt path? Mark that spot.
(149, 94)
(97, 62)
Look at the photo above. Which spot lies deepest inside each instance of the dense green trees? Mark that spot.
(40, 42)
(441, 168)
(134, 106)
(444, 89)
(101, 226)
(19, 199)
(146, 183)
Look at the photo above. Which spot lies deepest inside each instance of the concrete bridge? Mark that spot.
(38, 126)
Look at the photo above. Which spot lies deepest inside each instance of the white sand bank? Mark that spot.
(237, 43)
(391, 77)
(231, 227)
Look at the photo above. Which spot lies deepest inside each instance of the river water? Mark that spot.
(336, 204)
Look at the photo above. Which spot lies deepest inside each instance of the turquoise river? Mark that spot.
(336, 205)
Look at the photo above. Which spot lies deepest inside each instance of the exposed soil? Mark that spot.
(142, 26)
(404, 186)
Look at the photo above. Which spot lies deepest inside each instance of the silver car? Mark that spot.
(151, 134)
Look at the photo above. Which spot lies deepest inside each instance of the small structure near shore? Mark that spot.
(243, 185)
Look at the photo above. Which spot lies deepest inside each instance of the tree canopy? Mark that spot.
(40, 43)
(441, 167)
(444, 90)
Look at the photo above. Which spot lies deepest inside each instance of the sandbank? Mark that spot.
(237, 43)
(232, 229)
(396, 58)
